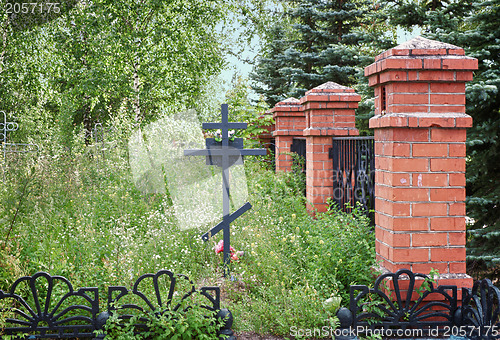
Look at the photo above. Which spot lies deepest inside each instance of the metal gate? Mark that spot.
(299, 147)
(354, 173)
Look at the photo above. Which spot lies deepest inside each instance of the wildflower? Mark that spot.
(321, 242)
(294, 216)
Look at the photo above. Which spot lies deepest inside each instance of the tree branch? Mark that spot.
(146, 20)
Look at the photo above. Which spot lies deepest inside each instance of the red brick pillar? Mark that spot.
(266, 137)
(420, 130)
(289, 123)
(330, 111)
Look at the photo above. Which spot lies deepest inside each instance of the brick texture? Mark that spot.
(420, 132)
(289, 123)
(330, 111)
(266, 137)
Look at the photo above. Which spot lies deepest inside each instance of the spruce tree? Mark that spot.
(474, 26)
(324, 46)
(269, 81)
(483, 169)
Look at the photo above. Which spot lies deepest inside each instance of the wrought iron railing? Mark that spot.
(354, 173)
(48, 307)
(397, 307)
(299, 147)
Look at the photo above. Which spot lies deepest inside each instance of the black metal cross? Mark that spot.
(224, 153)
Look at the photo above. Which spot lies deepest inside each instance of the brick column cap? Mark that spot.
(325, 104)
(330, 92)
(288, 107)
(422, 54)
(421, 120)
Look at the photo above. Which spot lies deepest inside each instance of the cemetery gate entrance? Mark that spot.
(299, 147)
(354, 173)
(299, 163)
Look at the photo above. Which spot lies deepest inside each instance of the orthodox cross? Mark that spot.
(5, 127)
(222, 155)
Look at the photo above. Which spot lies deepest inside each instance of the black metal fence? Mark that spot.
(410, 311)
(354, 173)
(48, 307)
(299, 147)
(300, 163)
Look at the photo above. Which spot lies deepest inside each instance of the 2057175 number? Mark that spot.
(32, 7)
(470, 331)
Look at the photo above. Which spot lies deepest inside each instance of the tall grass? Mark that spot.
(81, 216)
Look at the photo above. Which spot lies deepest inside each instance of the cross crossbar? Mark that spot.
(228, 126)
(224, 125)
(225, 222)
(224, 151)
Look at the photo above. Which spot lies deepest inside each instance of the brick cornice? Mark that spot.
(288, 112)
(329, 92)
(422, 54)
(423, 120)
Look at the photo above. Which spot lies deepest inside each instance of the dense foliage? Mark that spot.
(81, 216)
(293, 262)
(187, 323)
(313, 42)
(298, 54)
(483, 173)
(104, 61)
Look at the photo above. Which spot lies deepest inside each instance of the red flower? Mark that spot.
(219, 248)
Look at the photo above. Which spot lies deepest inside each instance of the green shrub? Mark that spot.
(186, 324)
(294, 262)
(84, 219)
